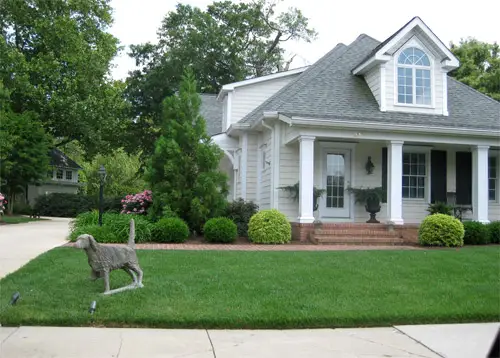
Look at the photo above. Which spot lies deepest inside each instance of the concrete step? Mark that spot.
(356, 232)
(348, 240)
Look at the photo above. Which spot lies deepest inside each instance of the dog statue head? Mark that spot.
(86, 241)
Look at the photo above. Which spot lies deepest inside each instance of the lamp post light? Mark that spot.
(102, 178)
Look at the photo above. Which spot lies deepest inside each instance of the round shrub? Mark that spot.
(222, 230)
(494, 230)
(269, 227)
(170, 230)
(101, 234)
(476, 233)
(441, 230)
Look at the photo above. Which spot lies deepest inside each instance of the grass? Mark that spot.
(17, 219)
(230, 289)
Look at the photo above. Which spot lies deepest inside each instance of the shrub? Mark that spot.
(102, 234)
(494, 231)
(22, 209)
(440, 208)
(222, 230)
(63, 204)
(118, 224)
(240, 212)
(476, 233)
(137, 203)
(111, 204)
(269, 227)
(441, 230)
(170, 230)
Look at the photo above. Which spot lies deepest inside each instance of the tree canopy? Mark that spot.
(227, 42)
(479, 66)
(55, 57)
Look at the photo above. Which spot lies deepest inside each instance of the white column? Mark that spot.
(244, 167)
(480, 183)
(306, 179)
(395, 182)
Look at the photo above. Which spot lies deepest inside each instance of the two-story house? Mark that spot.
(391, 103)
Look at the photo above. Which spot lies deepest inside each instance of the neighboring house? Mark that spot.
(62, 178)
(427, 134)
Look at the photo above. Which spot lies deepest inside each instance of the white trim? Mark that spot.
(395, 182)
(306, 179)
(271, 179)
(448, 63)
(229, 109)
(383, 96)
(259, 168)
(244, 167)
(480, 199)
(445, 93)
(275, 162)
(414, 42)
(231, 86)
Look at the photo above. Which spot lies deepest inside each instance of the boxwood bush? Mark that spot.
(240, 212)
(476, 233)
(70, 205)
(494, 231)
(102, 234)
(221, 230)
(269, 227)
(118, 224)
(170, 230)
(441, 230)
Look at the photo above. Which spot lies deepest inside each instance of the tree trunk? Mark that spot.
(10, 204)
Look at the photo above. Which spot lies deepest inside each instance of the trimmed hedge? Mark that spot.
(170, 230)
(102, 234)
(70, 205)
(269, 227)
(476, 233)
(240, 212)
(494, 231)
(117, 224)
(441, 230)
(222, 230)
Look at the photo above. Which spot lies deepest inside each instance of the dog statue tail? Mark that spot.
(131, 237)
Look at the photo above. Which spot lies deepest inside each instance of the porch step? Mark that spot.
(359, 240)
(377, 232)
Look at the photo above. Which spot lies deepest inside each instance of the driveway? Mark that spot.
(20, 243)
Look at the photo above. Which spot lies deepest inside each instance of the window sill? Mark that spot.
(406, 105)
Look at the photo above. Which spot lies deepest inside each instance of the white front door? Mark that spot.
(336, 201)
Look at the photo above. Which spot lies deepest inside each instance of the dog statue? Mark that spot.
(103, 259)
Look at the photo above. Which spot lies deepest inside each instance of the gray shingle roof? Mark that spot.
(211, 111)
(328, 90)
(61, 160)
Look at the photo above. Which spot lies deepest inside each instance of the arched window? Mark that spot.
(414, 77)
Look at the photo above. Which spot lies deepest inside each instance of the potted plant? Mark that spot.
(371, 197)
(293, 190)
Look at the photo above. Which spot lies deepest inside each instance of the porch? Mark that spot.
(413, 174)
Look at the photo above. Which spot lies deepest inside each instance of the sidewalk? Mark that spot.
(454, 341)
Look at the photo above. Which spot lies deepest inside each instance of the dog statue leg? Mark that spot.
(106, 281)
(94, 275)
(139, 273)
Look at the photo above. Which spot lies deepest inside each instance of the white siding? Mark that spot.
(289, 175)
(247, 98)
(372, 78)
(224, 114)
(265, 198)
(436, 84)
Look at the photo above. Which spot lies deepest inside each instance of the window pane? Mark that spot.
(69, 175)
(420, 193)
(421, 182)
(328, 202)
(341, 202)
(413, 192)
(413, 181)
(406, 181)
(59, 174)
(491, 195)
(406, 192)
(409, 99)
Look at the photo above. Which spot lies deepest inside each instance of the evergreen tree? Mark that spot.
(184, 170)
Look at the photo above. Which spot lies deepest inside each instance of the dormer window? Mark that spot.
(414, 77)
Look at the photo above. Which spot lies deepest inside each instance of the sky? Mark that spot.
(137, 21)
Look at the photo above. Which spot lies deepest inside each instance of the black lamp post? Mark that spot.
(102, 178)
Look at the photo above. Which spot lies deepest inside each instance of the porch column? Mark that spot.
(480, 183)
(395, 182)
(306, 179)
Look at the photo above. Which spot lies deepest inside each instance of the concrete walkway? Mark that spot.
(454, 341)
(20, 243)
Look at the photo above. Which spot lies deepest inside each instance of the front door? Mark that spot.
(336, 178)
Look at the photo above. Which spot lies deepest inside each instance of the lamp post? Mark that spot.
(102, 178)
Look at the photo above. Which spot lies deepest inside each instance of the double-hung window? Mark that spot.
(414, 77)
(492, 178)
(414, 175)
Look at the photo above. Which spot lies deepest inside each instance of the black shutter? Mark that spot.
(384, 172)
(464, 177)
(438, 176)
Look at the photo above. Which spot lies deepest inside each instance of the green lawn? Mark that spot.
(215, 289)
(17, 219)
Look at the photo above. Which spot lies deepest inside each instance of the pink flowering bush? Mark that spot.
(137, 203)
(3, 202)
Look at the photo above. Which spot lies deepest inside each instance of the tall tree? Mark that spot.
(227, 42)
(55, 57)
(184, 171)
(479, 66)
(26, 159)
